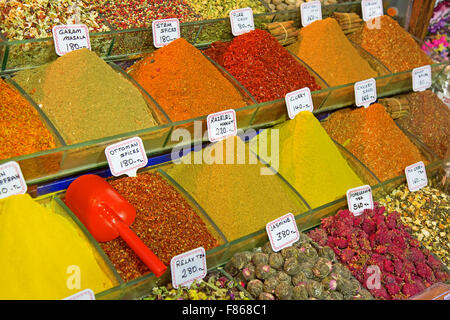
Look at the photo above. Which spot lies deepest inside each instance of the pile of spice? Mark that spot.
(325, 48)
(85, 98)
(426, 212)
(428, 118)
(262, 65)
(21, 128)
(215, 286)
(380, 252)
(217, 9)
(165, 222)
(391, 44)
(29, 19)
(126, 14)
(236, 190)
(42, 250)
(303, 271)
(184, 83)
(374, 138)
(309, 160)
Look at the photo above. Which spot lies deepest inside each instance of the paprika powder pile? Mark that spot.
(262, 65)
(326, 49)
(374, 138)
(184, 83)
(21, 128)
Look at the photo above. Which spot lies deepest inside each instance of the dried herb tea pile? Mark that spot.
(374, 138)
(85, 98)
(184, 82)
(326, 49)
(391, 44)
(21, 129)
(303, 271)
(215, 286)
(262, 65)
(165, 222)
(429, 119)
(221, 8)
(380, 252)
(426, 212)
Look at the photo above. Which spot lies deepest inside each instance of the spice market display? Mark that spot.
(68, 115)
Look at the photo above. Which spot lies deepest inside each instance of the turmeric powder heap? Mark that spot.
(326, 49)
(374, 138)
(44, 255)
(21, 129)
(392, 45)
(184, 83)
(309, 160)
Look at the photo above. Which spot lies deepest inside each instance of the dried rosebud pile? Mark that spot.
(300, 272)
(380, 252)
(214, 286)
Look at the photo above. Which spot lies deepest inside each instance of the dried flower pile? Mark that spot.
(214, 286)
(374, 244)
(304, 271)
(426, 211)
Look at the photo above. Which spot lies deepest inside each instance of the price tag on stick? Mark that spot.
(421, 78)
(165, 31)
(282, 232)
(372, 9)
(188, 266)
(359, 199)
(241, 21)
(68, 38)
(87, 294)
(310, 12)
(126, 157)
(12, 181)
(416, 176)
(365, 93)
(298, 101)
(221, 125)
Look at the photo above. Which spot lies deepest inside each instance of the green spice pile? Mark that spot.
(129, 14)
(304, 271)
(215, 286)
(28, 19)
(429, 119)
(221, 8)
(426, 212)
(165, 222)
(85, 98)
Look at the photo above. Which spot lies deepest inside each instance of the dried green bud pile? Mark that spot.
(214, 286)
(426, 212)
(304, 271)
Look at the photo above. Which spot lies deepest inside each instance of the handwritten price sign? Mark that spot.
(242, 21)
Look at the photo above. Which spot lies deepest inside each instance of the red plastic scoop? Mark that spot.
(107, 215)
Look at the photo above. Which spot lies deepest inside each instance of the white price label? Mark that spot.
(310, 12)
(421, 78)
(126, 157)
(87, 294)
(188, 266)
(365, 92)
(298, 101)
(372, 9)
(221, 125)
(416, 176)
(165, 31)
(11, 180)
(359, 199)
(68, 38)
(447, 297)
(241, 21)
(282, 232)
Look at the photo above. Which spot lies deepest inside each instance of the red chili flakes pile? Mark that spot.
(165, 222)
(128, 14)
(262, 65)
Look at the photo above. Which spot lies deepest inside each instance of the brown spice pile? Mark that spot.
(165, 222)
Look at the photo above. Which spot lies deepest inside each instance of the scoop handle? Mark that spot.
(143, 252)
